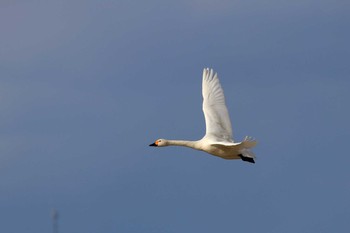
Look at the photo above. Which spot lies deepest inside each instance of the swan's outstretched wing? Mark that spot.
(217, 120)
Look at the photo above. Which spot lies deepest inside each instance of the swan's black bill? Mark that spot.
(153, 144)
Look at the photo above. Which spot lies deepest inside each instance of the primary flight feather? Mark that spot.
(218, 139)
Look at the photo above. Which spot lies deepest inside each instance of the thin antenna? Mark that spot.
(54, 216)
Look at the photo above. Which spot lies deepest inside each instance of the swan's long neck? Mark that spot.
(191, 144)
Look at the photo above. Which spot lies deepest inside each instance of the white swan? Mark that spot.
(218, 139)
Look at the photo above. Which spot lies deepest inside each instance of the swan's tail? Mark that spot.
(249, 142)
(245, 153)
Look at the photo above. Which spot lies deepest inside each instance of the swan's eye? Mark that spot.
(159, 140)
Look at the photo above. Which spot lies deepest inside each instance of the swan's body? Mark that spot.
(218, 139)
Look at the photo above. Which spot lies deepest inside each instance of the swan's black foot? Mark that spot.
(247, 159)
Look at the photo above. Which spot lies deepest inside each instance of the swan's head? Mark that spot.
(159, 143)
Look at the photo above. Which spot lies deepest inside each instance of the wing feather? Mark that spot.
(217, 120)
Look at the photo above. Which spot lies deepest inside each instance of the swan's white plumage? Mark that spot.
(218, 139)
(217, 120)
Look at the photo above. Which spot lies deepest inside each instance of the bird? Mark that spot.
(218, 139)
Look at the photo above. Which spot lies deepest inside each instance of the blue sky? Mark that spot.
(86, 86)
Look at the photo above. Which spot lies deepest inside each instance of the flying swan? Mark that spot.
(218, 139)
